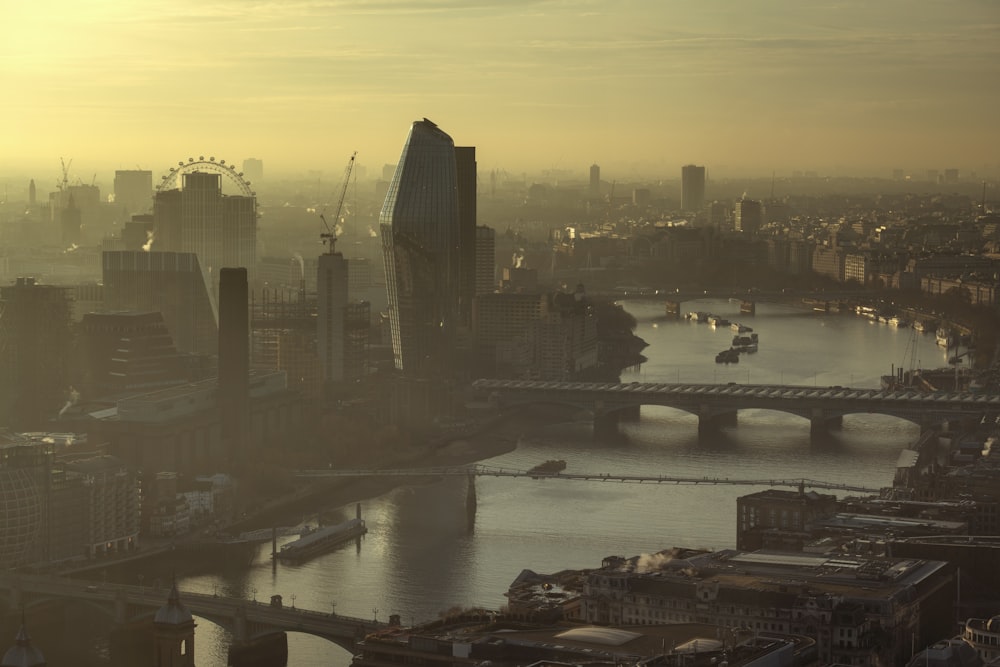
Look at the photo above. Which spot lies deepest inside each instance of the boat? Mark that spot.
(740, 328)
(717, 321)
(697, 316)
(944, 338)
(745, 343)
(321, 539)
(729, 356)
(550, 467)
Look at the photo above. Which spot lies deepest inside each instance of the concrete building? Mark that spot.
(595, 181)
(499, 319)
(859, 611)
(111, 499)
(486, 265)
(465, 185)
(332, 298)
(170, 283)
(983, 635)
(234, 363)
(133, 191)
(35, 341)
(180, 428)
(692, 188)
(129, 351)
(220, 229)
(785, 513)
(421, 240)
(748, 217)
(253, 169)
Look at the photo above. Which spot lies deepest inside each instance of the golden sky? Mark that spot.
(648, 85)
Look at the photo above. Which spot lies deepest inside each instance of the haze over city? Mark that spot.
(639, 86)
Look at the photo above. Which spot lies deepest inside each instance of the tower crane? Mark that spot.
(329, 237)
(64, 184)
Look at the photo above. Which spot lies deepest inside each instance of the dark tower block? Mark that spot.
(173, 634)
(234, 361)
(465, 171)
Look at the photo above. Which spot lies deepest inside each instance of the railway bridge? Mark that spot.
(718, 404)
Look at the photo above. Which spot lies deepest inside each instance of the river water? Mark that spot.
(420, 557)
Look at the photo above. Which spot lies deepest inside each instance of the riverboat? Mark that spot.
(729, 356)
(745, 343)
(550, 467)
(717, 321)
(740, 328)
(322, 539)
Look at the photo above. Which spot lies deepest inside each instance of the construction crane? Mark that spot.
(64, 184)
(329, 237)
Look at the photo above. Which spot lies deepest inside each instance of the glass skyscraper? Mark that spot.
(421, 243)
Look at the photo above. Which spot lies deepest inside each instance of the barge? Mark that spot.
(320, 540)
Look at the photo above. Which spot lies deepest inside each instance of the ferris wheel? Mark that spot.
(172, 179)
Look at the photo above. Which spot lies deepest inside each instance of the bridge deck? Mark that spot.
(487, 471)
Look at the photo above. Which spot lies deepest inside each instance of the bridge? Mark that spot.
(245, 620)
(490, 471)
(717, 405)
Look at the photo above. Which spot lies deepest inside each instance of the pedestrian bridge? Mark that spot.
(717, 404)
(245, 620)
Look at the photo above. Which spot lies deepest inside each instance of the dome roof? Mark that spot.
(23, 654)
(172, 613)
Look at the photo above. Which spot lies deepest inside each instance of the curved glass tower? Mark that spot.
(420, 241)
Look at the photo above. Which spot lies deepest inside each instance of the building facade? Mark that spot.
(692, 188)
(421, 242)
(220, 229)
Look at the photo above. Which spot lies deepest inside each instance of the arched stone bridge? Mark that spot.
(716, 404)
(246, 620)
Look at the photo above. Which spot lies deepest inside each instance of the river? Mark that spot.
(420, 558)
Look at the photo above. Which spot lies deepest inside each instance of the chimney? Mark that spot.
(234, 361)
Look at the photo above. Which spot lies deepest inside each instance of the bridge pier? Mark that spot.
(471, 502)
(268, 651)
(821, 424)
(629, 414)
(709, 422)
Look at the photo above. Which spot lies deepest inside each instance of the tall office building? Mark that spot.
(35, 342)
(253, 169)
(220, 229)
(748, 217)
(465, 166)
(420, 240)
(595, 180)
(134, 191)
(486, 264)
(692, 187)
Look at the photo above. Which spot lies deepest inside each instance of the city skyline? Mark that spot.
(639, 87)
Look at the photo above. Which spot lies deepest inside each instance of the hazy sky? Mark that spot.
(641, 84)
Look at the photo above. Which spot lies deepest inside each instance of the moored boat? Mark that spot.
(321, 539)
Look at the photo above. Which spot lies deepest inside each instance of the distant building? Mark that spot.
(858, 610)
(128, 351)
(35, 343)
(220, 229)
(486, 281)
(134, 191)
(253, 169)
(499, 320)
(692, 188)
(171, 283)
(466, 182)
(595, 181)
(70, 225)
(748, 217)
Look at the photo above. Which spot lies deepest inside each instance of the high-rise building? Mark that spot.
(220, 229)
(134, 191)
(171, 283)
(595, 180)
(692, 187)
(253, 169)
(32, 194)
(465, 171)
(420, 240)
(331, 290)
(71, 224)
(35, 341)
(748, 217)
(486, 264)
